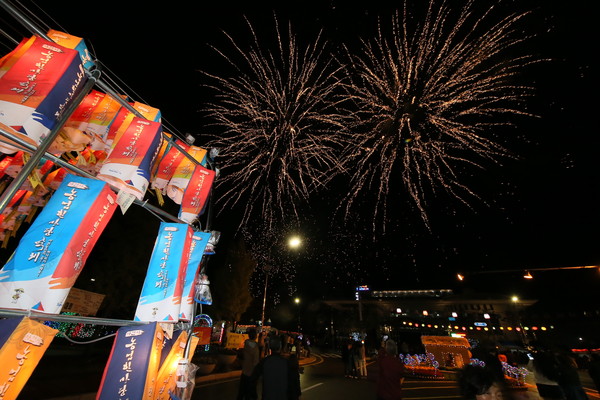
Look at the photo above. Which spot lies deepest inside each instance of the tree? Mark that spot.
(230, 283)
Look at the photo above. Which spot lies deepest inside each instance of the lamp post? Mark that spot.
(297, 301)
(294, 242)
(262, 318)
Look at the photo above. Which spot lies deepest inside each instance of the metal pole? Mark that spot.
(262, 319)
(30, 148)
(70, 318)
(36, 156)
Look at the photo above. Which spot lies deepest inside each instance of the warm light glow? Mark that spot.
(486, 316)
(528, 275)
(514, 299)
(294, 242)
(460, 277)
(398, 310)
(425, 313)
(297, 300)
(454, 315)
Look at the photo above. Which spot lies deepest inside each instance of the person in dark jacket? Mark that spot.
(391, 372)
(280, 377)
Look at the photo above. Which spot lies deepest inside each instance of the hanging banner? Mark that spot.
(199, 242)
(129, 163)
(101, 120)
(72, 42)
(168, 374)
(170, 158)
(125, 117)
(23, 343)
(196, 193)
(183, 173)
(132, 366)
(160, 299)
(53, 251)
(40, 83)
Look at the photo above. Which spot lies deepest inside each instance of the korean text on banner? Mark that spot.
(23, 343)
(199, 242)
(53, 251)
(160, 299)
(38, 82)
(129, 163)
(196, 193)
(132, 366)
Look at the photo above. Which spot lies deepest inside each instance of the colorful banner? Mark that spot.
(41, 81)
(170, 158)
(199, 242)
(196, 193)
(23, 343)
(53, 251)
(125, 117)
(183, 173)
(204, 334)
(72, 42)
(167, 374)
(129, 163)
(160, 299)
(132, 366)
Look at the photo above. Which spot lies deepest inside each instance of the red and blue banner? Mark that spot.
(53, 251)
(183, 173)
(73, 42)
(160, 299)
(39, 81)
(23, 342)
(196, 194)
(132, 366)
(199, 242)
(129, 163)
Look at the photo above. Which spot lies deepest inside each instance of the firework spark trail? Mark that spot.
(282, 132)
(426, 98)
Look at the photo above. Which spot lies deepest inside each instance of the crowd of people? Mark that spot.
(555, 372)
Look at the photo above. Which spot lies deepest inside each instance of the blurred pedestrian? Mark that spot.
(568, 378)
(594, 370)
(478, 382)
(360, 360)
(280, 377)
(250, 357)
(545, 374)
(391, 372)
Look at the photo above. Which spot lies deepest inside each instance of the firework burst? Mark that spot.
(428, 96)
(280, 127)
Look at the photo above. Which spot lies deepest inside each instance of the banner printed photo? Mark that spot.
(199, 242)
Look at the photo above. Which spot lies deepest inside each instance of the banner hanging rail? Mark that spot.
(69, 318)
(103, 86)
(73, 168)
(36, 156)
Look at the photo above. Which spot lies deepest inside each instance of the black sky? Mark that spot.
(542, 209)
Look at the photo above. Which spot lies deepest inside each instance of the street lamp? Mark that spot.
(294, 242)
(297, 301)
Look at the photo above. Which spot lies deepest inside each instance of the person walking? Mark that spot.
(250, 356)
(479, 383)
(594, 370)
(568, 378)
(280, 379)
(360, 360)
(391, 372)
(545, 373)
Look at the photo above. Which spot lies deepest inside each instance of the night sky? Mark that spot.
(538, 210)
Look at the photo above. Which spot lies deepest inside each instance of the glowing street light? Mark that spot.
(294, 242)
